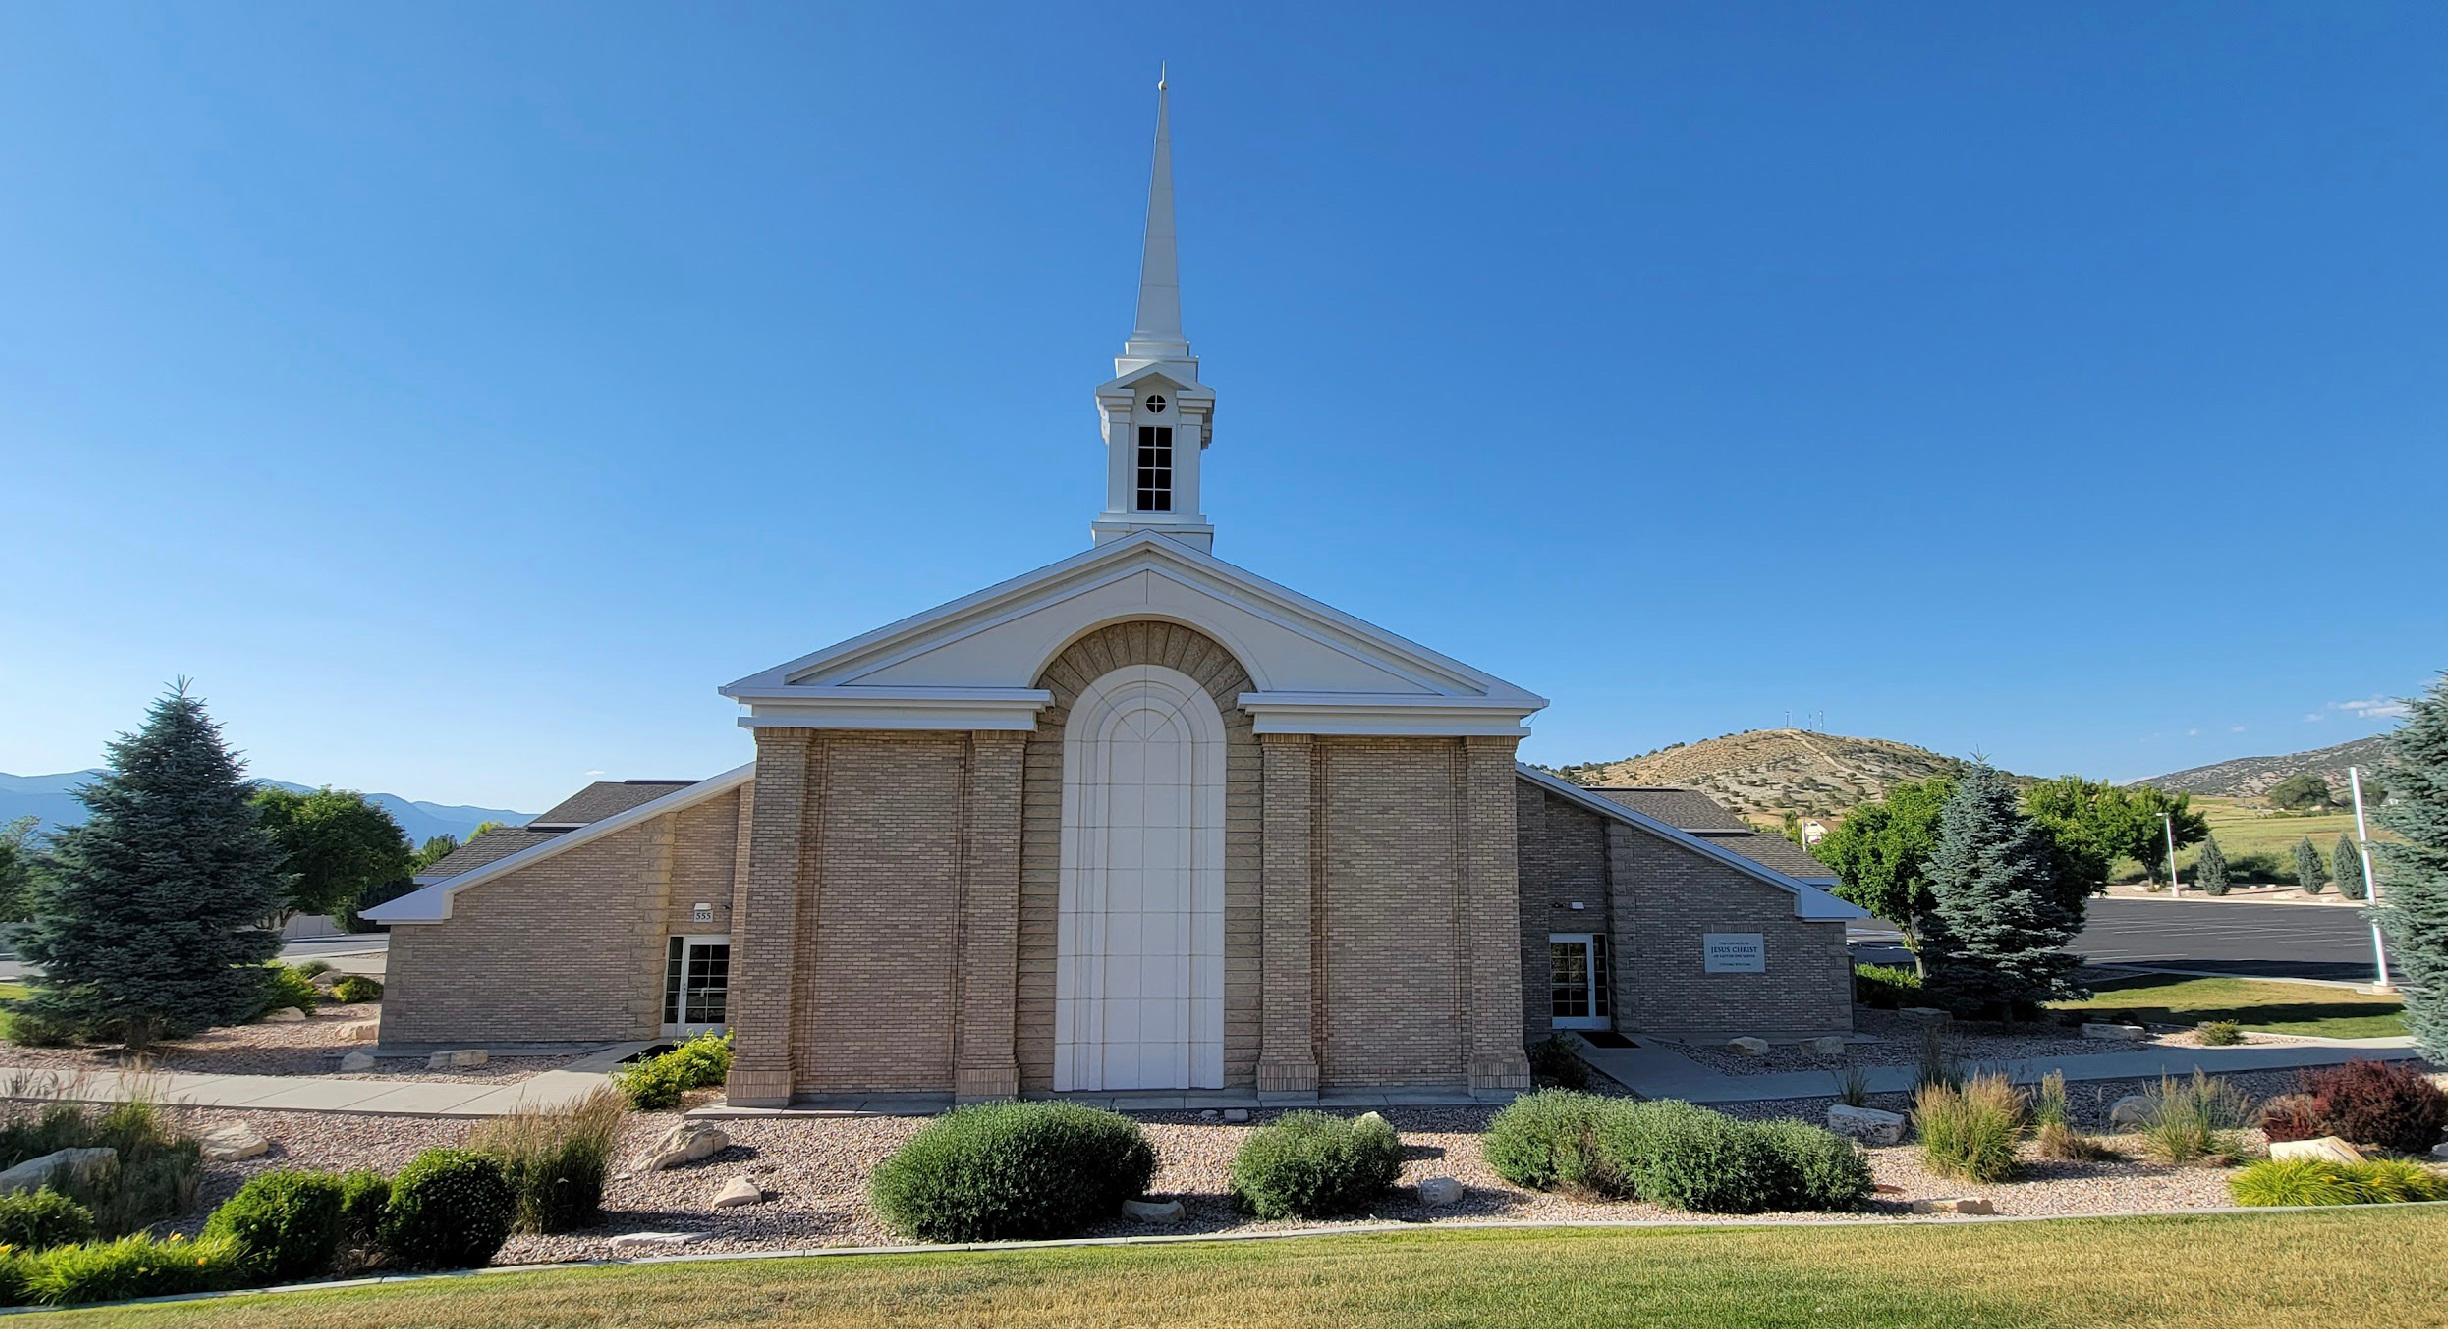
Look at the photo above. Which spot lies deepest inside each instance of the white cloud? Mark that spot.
(2313, 716)
(2372, 707)
(2192, 730)
(594, 773)
(2236, 728)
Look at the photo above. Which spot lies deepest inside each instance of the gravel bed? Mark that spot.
(1900, 1040)
(309, 1048)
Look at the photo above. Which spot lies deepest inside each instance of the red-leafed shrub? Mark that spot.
(2293, 1117)
(2388, 1105)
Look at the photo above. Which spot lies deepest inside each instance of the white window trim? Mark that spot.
(684, 1030)
(1592, 946)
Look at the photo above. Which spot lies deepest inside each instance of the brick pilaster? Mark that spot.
(1289, 1064)
(1490, 907)
(766, 943)
(986, 954)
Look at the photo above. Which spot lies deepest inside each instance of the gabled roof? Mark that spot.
(602, 800)
(431, 902)
(485, 850)
(1812, 903)
(1780, 854)
(1688, 809)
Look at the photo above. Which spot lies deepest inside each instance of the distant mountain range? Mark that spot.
(2244, 777)
(1775, 772)
(51, 800)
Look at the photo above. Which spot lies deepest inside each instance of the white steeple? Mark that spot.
(1155, 414)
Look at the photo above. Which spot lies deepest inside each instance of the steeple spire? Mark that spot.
(1157, 323)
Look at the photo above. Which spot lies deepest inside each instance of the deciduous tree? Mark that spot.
(335, 846)
(1879, 851)
(2306, 790)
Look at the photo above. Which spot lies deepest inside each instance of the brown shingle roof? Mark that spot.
(603, 800)
(1775, 853)
(1680, 807)
(485, 850)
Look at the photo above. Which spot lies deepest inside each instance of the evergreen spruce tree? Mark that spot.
(152, 922)
(2410, 871)
(2349, 877)
(2212, 876)
(2311, 867)
(1993, 941)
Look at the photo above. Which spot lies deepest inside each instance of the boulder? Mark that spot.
(2437, 1151)
(73, 1163)
(1962, 1206)
(2128, 1112)
(455, 1059)
(1874, 1128)
(1749, 1045)
(285, 1015)
(2111, 1031)
(1163, 1209)
(1238, 1115)
(686, 1142)
(234, 1141)
(1439, 1191)
(1208, 1114)
(358, 1061)
(1827, 1045)
(2316, 1149)
(738, 1192)
(323, 981)
(1925, 1014)
(358, 1031)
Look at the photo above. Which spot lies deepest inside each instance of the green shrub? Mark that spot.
(43, 1218)
(2392, 1180)
(657, 1083)
(1879, 986)
(37, 1031)
(449, 1208)
(364, 1194)
(2392, 1106)
(156, 1175)
(1971, 1132)
(1311, 1164)
(287, 987)
(2221, 1031)
(558, 1159)
(1549, 1140)
(286, 1222)
(2311, 1182)
(1815, 1170)
(132, 1268)
(1684, 1156)
(2196, 1120)
(311, 967)
(1013, 1170)
(357, 990)
(16, 1268)
(1556, 1064)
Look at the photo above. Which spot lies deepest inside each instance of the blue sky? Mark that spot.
(461, 392)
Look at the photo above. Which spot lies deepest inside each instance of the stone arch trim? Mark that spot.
(1211, 666)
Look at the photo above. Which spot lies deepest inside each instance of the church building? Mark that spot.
(1139, 819)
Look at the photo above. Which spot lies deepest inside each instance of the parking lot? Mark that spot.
(2228, 938)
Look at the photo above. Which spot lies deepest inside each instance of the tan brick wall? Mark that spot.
(1667, 898)
(1562, 858)
(1392, 983)
(568, 949)
(1136, 643)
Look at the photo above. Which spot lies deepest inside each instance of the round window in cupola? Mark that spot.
(1154, 404)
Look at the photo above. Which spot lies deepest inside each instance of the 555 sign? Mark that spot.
(1732, 953)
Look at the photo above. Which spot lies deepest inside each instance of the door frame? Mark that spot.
(1595, 1016)
(685, 1030)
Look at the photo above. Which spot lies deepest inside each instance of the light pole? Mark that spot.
(2366, 870)
(2172, 854)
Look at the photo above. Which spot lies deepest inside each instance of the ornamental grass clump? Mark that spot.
(2055, 1136)
(1550, 1140)
(2221, 1031)
(558, 1159)
(1013, 1170)
(157, 1171)
(1310, 1164)
(43, 1218)
(129, 1268)
(1971, 1132)
(2196, 1120)
(2315, 1182)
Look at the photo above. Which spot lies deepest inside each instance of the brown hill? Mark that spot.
(1776, 772)
(2250, 777)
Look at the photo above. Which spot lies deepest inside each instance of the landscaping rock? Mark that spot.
(455, 1059)
(1874, 1128)
(2437, 1150)
(234, 1141)
(285, 1015)
(2128, 1112)
(1170, 1209)
(77, 1163)
(1925, 1014)
(738, 1192)
(358, 1031)
(643, 1239)
(323, 981)
(1208, 1114)
(686, 1142)
(1962, 1206)
(357, 1061)
(1238, 1116)
(1440, 1191)
(1827, 1045)
(2316, 1149)
(2111, 1031)
(1749, 1045)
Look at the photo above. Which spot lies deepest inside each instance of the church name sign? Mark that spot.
(1732, 952)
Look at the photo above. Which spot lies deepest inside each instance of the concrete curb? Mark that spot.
(1360, 1228)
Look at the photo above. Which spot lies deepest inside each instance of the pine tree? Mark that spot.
(2410, 871)
(1994, 938)
(2349, 877)
(2212, 875)
(2311, 867)
(152, 921)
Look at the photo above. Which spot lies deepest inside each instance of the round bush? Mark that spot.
(2366, 1101)
(1312, 1164)
(364, 1193)
(43, 1218)
(2291, 1117)
(1548, 1140)
(449, 1208)
(1684, 1156)
(1015, 1170)
(1814, 1169)
(357, 990)
(287, 1223)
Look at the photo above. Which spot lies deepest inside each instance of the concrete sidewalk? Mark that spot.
(1664, 1074)
(347, 1096)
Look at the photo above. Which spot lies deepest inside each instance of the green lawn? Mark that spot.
(2353, 1267)
(8, 990)
(2258, 1005)
(2246, 826)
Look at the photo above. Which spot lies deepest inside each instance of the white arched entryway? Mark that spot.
(1141, 925)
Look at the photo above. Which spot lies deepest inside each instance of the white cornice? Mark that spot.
(909, 708)
(1381, 714)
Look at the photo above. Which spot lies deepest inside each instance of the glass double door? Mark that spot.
(1579, 982)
